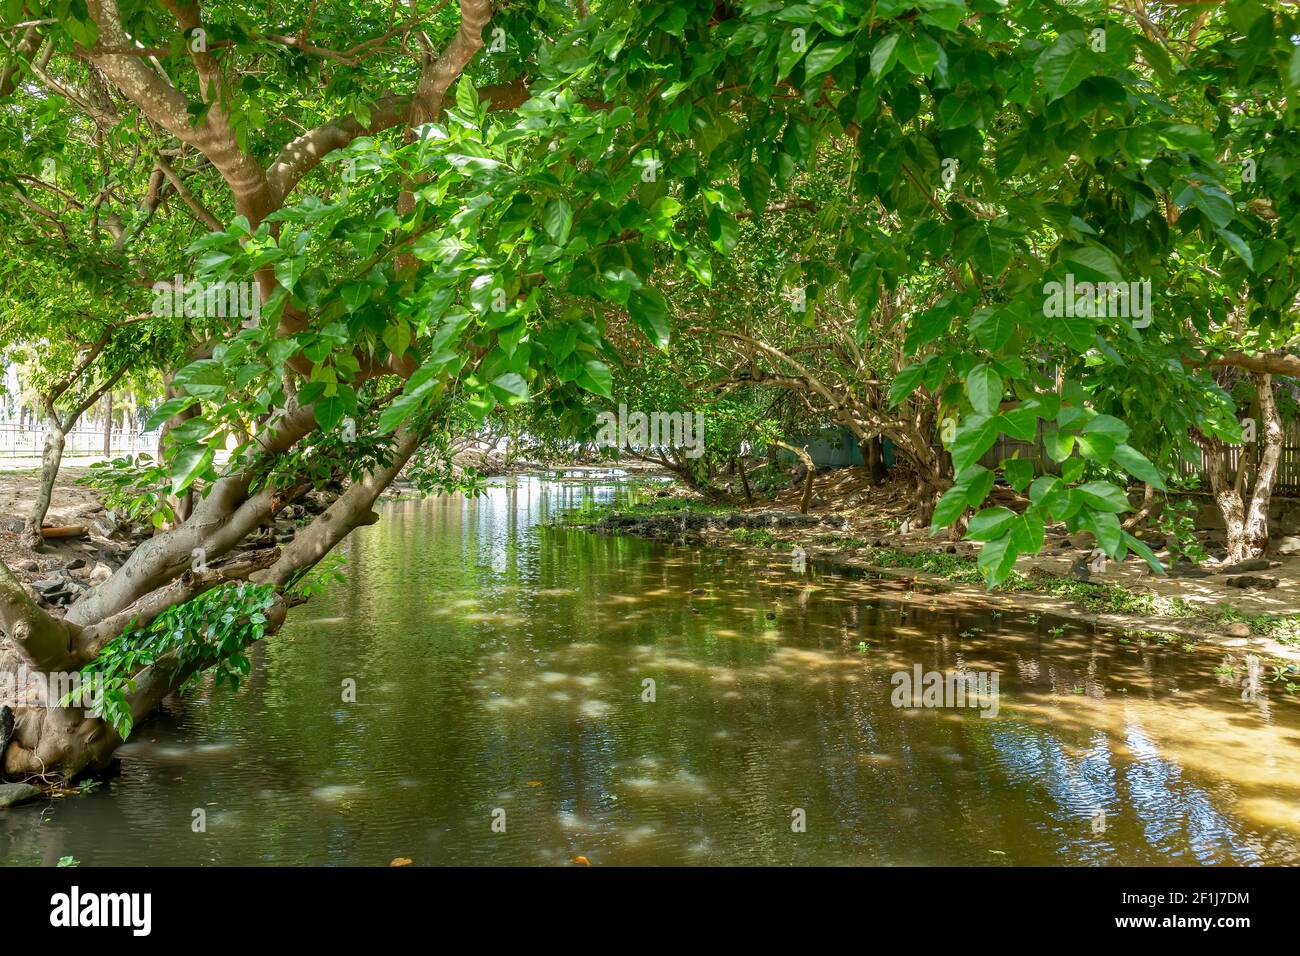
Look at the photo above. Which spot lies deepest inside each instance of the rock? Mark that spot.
(1237, 629)
(12, 794)
(75, 564)
(29, 566)
(1251, 582)
(6, 729)
(1289, 545)
(1185, 569)
(100, 572)
(1241, 567)
(104, 526)
(48, 586)
(697, 590)
(1209, 518)
(14, 525)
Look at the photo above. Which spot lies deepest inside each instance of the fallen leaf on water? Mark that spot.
(534, 783)
(401, 861)
(581, 861)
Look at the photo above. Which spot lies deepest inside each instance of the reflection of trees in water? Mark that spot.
(499, 664)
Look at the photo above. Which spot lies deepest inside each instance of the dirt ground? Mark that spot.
(875, 512)
(70, 504)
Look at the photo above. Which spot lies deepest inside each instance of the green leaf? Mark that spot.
(724, 231)
(1065, 64)
(994, 325)
(1094, 263)
(173, 406)
(557, 220)
(948, 509)
(189, 463)
(984, 388)
(1103, 496)
(1019, 472)
(329, 412)
(1105, 526)
(205, 378)
(1215, 203)
(975, 436)
(905, 382)
(1027, 533)
(996, 559)
(595, 378)
(825, 56)
(883, 55)
(990, 523)
(1146, 553)
(919, 53)
(649, 309)
(510, 388)
(1238, 245)
(1137, 465)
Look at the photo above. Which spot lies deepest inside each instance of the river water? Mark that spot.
(528, 694)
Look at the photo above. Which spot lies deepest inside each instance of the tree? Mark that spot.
(435, 230)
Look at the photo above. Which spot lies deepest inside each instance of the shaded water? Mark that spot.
(500, 672)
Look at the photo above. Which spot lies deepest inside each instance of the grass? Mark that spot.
(591, 513)
(841, 542)
(756, 537)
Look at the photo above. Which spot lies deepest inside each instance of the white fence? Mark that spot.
(19, 441)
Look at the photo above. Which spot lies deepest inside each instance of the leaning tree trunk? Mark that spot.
(50, 740)
(51, 458)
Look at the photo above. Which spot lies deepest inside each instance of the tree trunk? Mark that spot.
(1246, 519)
(873, 457)
(55, 740)
(744, 480)
(810, 472)
(108, 424)
(51, 458)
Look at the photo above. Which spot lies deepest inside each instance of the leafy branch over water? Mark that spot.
(209, 631)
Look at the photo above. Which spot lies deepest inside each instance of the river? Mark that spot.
(531, 694)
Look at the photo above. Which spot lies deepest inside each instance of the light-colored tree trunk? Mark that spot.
(51, 459)
(1245, 511)
(108, 423)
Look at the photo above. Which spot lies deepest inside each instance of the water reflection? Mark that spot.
(502, 666)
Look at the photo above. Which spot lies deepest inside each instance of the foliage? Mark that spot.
(135, 485)
(208, 631)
